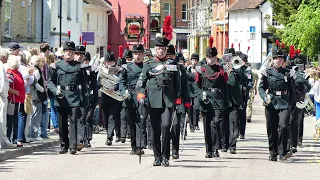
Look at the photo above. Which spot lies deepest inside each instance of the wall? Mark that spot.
(19, 22)
(46, 20)
(241, 34)
(172, 10)
(73, 24)
(100, 29)
(117, 22)
(179, 22)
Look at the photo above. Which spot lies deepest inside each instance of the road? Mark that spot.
(115, 162)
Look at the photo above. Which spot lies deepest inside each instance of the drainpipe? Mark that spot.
(42, 4)
(261, 14)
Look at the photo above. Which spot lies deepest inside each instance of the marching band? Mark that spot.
(151, 98)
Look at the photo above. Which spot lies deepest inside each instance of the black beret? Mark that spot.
(69, 45)
(109, 57)
(80, 49)
(211, 52)
(161, 41)
(14, 46)
(244, 57)
(87, 56)
(232, 51)
(179, 56)
(171, 50)
(278, 53)
(128, 54)
(137, 48)
(195, 56)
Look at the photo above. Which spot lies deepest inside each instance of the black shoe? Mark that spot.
(165, 162)
(150, 147)
(224, 150)
(215, 153)
(233, 151)
(299, 143)
(73, 151)
(87, 144)
(157, 162)
(109, 142)
(294, 150)
(139, 151)
(118, 139)
(133, 152)
(282, 157)
(249, 120)
(288, 155)
(197, 128)
(191, 130)
(241, 136)
(273, 158)
(123, 140)
(63, 150)
(208, 155)
(175, 156)
(128, 137)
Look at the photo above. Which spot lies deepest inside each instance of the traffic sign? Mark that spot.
(252, 29)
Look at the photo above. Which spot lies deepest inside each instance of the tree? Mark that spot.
(303, 28)
(283, 9)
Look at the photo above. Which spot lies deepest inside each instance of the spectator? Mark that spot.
(34, 51)
(38, 97)
(16, 95)
(14, 48)
(53, 113)
(60, 54)
(4, 87)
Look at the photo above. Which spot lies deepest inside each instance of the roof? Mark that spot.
(245, 4)
(100, 3)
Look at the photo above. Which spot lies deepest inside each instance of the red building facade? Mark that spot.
(128, 23)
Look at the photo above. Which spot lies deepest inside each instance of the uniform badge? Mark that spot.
(172, 68)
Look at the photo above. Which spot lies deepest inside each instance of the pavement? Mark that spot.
(115, 162)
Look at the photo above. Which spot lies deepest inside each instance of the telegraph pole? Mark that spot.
(60, 24)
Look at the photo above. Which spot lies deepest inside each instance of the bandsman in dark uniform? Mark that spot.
(90, 95)
(66, 83)
(136, 113)
(194, 110)
(163, 95)
(276, 89)
(183, 108)
(210, 89)
(246, 86)
(110, 106)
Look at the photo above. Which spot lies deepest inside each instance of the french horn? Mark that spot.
(237, 62)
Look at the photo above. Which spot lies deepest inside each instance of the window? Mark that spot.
(166, 9)
(184, 12)
(29, 19)
(7, 21)
(274, 22)
(69, 9)
(77, 10)
(88, 22)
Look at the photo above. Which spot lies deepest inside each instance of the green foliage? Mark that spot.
(303, 28)
(283, 9)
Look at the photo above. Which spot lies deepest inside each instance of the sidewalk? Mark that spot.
(29, 148)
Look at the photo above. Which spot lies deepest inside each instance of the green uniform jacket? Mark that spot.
(216, 89)
(90, 90)
(278, 81)
(67, 74)
(129, 76)
(162, 89)
(302, 86)
(234, 90)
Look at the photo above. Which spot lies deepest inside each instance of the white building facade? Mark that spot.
(95, 26)
(248, 27)
(72, 11)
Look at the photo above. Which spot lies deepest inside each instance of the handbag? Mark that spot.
(11, 105)
(28, 107)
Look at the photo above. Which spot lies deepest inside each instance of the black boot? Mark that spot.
(208, 155)
(123, 140)
(63, 150)
(157, 162)
(87, 144)
(232, 151)
(73, 151)
(215, 153)
(273, 156)
(175, 156)
(109, 142)
(165, 162)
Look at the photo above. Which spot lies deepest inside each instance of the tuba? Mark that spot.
(306, 103)
(109, 80)
(237, 62)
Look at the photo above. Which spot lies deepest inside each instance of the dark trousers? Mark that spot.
(137, 123)
(124, 118)
(194, 116)
(149, 129)
(296, 127)
(12, 124)
(177, 128)
(212, 124)
(277, 129)
(111, 116)
(233, 122)
(225, 129)
(81, 124)
(243, 116)
(71, 114)
(22, 119)
(161, 119)
(85, 123)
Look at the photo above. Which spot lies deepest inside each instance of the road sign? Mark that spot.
(252, 29)
(252, 36)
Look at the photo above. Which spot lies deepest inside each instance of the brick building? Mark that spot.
(178, 9)
(18, 22)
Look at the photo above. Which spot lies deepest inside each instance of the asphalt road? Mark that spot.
(115, 162)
